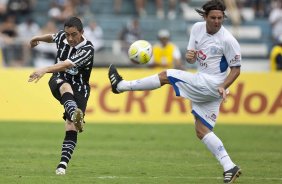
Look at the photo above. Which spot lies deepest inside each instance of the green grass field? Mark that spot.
(137, 154)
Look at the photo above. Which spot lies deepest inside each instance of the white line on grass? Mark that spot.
(181, 177)
(172, 177)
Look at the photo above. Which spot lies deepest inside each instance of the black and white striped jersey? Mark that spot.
(81, 56)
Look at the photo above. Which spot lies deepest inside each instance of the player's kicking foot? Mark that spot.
(114, 78)
(60, 171)
(77, 119)
(231, 175)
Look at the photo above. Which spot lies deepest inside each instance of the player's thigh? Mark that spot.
(207, 112)
(186, 84)
(54, 85)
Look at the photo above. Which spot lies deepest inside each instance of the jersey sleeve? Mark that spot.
(191, 44)
(232, 52)
(58, 37)
(82, 57)
(176, 53)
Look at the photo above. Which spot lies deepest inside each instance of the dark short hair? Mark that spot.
(74, 22)
(212, 5)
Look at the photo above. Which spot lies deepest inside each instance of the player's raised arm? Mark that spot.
(58, 67)
(43, 38)
(191, 56)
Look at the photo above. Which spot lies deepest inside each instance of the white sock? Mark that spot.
(215, 145)
(147, 83)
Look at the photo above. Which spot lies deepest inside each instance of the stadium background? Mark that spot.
(116, 146)
(257, 93)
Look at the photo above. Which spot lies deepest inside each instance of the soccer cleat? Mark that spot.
(60, 171)
(114, 78)
(231, 175)
(77, 119)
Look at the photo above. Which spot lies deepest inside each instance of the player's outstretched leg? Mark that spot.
(114, 78)
(231, 175)
(77, 119)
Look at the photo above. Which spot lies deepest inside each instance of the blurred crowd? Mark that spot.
(18, 25)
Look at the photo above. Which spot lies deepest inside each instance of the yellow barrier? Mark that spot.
(254, 98)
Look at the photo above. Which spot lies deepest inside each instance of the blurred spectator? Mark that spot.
(8, 26)
(95, 34)
(26, 30)
(233, 12)
(260, 7)
(160, 13)
(4, 41)
(82, 7)
(3, 7)
(44, 53)
(275, 18)
(12, 51)
(54, 11)
(141, 10)
(165, 53)
(129, 34)
(20, 8)
(276, 56)
(117, 6)
(61, 10)
(184, 6)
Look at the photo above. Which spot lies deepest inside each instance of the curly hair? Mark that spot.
(212, 5)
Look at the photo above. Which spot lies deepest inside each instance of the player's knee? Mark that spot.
(163, 78)
(200, 134)
(65, 87)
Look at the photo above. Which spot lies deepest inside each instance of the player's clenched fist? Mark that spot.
(34, 42)
(191, 56)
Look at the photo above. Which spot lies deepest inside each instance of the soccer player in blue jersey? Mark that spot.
(215, 51)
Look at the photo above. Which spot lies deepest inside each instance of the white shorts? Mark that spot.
(201, 91)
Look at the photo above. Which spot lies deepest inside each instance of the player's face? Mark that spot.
(214, 21)
(74, 37)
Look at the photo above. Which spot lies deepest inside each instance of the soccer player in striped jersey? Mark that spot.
(69, 82)
(214, 50)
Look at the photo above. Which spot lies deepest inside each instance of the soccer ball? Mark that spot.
(140, 52)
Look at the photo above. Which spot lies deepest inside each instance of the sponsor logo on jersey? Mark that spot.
(78, 54)
(201, 57)
(236, 59)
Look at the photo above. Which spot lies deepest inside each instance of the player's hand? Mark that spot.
(223, 93)
(191, 56)
(33, 42)
(36, 75)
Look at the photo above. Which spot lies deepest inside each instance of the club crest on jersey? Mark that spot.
(214, 50)
(72, 71)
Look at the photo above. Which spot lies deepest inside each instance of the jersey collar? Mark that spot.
(78, 45)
